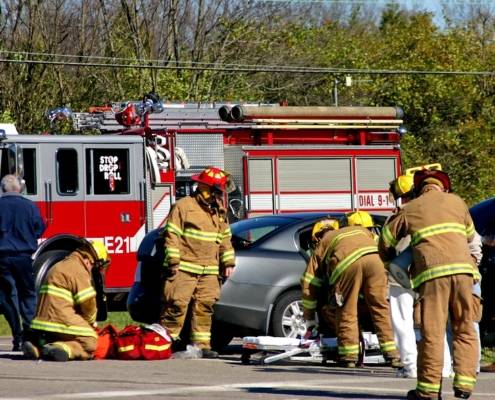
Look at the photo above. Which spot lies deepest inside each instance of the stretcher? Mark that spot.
(317, 349)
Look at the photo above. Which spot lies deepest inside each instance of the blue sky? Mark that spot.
(430, 5)
(435, 6)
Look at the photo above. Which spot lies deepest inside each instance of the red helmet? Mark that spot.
(213, 177)
(437, 177)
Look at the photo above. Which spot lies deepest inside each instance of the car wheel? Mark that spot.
(287, 317)
(44, 262)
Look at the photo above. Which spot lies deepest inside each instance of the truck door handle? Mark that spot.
(49, 202)
(125, 218)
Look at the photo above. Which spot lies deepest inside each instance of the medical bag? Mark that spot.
(148, 342)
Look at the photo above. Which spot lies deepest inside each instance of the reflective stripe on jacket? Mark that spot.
(67, 299)
(440, 227)
(197, 238)
(312, 286)
(339, 249)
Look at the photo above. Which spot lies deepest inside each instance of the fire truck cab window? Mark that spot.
(67, 172)
(7, 161)
(29, 157)
(110, 171)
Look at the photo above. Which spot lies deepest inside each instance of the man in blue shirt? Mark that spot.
(21, 226)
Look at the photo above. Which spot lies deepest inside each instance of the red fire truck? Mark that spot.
(119, 183)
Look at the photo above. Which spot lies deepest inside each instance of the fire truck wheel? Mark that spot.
(44, 262)
(287, 317)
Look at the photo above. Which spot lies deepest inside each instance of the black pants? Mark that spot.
(18, 292)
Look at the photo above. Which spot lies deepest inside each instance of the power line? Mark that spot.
(233, 68)
(373, 2)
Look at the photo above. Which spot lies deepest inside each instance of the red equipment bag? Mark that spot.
(129, 343)
(106, 346)
(156, 343)
(150, 342)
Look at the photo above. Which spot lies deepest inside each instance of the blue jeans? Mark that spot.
(10, 308)
(19, 294)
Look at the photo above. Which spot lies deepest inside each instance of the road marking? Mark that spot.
(322, 385)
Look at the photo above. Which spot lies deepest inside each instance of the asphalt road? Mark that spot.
(224, 378)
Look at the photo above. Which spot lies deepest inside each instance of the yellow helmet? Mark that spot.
(101, 252)
(361, 218)
(401, 186)
(323, 225)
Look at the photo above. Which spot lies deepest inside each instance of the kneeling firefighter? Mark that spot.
(64, 325)
(197, 251)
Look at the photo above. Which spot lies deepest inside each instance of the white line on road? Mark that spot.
(319, 385)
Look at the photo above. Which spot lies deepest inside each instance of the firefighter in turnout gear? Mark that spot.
(197, 250)
(401, 298)
(350, 256)
(442, 273)
(64, 325)
(314, 281)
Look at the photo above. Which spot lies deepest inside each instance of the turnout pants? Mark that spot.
(77, 347)
(439, 297)
(366, 275)
(200, 292)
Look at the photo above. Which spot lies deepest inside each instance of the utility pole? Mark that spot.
(335, 92)
(348, 83)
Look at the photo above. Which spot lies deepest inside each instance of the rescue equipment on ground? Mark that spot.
(319, 349)
(148, 342)
(106, 343)
(134, 342)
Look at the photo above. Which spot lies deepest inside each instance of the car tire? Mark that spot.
(44, 262)
(287, 318)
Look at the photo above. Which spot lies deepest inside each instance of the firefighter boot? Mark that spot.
(461, 394)
(209, 353)
(394, 362)
(347, 363)
(52, 352)
(30, 351)
(415, 395)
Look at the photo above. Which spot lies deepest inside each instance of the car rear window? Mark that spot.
(250, 230)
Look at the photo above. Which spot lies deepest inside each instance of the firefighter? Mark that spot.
(350, 255)
(63, 328)
(442, 273)
(197, 250)
(314, 282)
